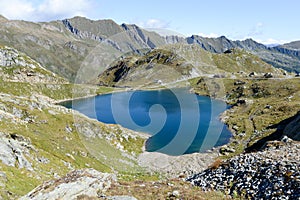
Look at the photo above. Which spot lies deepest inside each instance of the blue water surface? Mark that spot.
(131, 110)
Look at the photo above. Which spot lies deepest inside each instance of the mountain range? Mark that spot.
(63, 45)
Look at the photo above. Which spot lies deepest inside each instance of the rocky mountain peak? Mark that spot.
(223, 37)
(101, 28)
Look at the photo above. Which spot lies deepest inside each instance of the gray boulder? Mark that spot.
(14, 150)
(79, 183)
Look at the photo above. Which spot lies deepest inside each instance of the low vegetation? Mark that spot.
(256, 105)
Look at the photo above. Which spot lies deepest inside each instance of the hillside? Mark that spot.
(62, 46)
(292, 45)
(40, 140)
(18, 67)
(179, 62)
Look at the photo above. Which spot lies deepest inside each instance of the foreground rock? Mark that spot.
(270, 174)
(75, 185)
(14, 150)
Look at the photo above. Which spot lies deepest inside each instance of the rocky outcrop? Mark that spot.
(15, 150)
(16, 66)
(78, 184)
(270, 174)
(288, 127)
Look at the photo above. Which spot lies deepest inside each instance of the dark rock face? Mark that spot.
(122, 71)
(292, 129)
(268, 75)
(271, 174)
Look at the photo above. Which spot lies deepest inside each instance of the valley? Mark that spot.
(48, 149)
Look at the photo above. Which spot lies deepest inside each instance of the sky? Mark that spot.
(266, 21)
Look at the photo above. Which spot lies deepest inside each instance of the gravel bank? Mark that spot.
(273, 173)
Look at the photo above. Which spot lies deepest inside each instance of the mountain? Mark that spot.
(180, 62)
(279, 56)
(63, 46)
(292, 45)
(221, 44)
(57, 153)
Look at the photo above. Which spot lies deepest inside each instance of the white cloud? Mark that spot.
(256, 30)
(271, 41)
(65, 8)
(210, 35)
(153, 23)
(166, 32)
(44, 10)
(16, 9)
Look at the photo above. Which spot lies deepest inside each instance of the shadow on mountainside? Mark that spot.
(289, 127)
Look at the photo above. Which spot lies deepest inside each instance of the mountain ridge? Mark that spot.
(61, 46)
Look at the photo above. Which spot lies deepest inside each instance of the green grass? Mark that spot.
(268, 102)
(54, 91)
(48, 136)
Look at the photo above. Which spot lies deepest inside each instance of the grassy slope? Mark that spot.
(268, 102)
(56, 134)
(49, 137)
